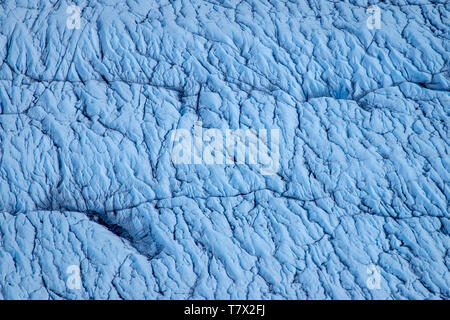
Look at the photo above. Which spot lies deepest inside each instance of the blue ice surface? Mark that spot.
(87, 178)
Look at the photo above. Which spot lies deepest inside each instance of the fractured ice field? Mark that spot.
(92, 204)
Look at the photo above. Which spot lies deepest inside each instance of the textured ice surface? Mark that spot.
(86, 177)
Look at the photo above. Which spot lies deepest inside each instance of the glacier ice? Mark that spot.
(87, 179)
